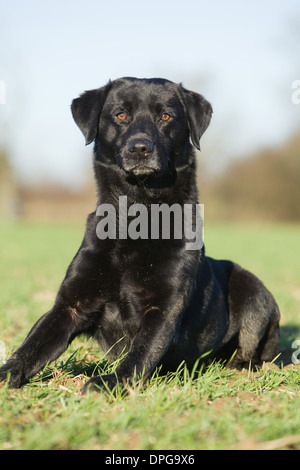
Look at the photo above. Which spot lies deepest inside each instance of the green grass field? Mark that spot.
(220, 409)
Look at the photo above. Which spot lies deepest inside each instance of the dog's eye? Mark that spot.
(122, 116)
(165, 117)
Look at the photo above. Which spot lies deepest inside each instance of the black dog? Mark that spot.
(152, 298)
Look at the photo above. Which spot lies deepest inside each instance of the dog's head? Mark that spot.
(142, 125)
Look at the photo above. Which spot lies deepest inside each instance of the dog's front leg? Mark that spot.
(54, 331)
(147, 348)
(48, 338)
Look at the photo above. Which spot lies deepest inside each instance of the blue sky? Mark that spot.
(243, 56)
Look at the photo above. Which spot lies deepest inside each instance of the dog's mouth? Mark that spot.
(142, 170)
(138, 168)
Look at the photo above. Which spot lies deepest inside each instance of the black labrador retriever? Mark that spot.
(148, 296)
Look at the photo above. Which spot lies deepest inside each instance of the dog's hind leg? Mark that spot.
(255, 316)
(268, 348)
(256, 344)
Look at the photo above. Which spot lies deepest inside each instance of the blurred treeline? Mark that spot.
(261, 187)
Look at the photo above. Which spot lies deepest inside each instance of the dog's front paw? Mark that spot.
(13, 370)
(100, 383)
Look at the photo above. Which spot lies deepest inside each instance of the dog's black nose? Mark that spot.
(140, 147)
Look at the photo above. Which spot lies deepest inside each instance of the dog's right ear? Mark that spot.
(86, 111)
(198, 112)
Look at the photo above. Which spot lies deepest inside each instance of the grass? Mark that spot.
(219, 409)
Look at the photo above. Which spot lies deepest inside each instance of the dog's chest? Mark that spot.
(135, 288)
(121, 317)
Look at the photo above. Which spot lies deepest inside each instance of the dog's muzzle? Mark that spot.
(141, 148)
(140, 157)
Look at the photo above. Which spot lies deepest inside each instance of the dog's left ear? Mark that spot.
(86, 111)
(198, 112)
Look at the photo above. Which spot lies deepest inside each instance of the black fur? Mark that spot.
(154, 299)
